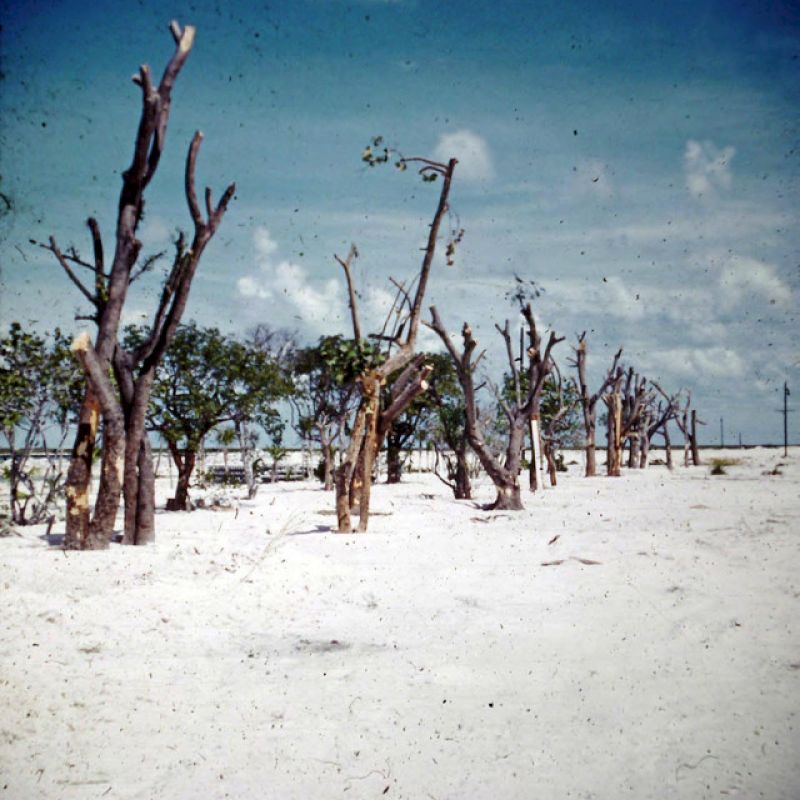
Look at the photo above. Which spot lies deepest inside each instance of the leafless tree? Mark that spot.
(505, 473)
(589, 401)
(687, 422)
(126, 457)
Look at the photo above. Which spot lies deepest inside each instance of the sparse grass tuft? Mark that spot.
(718, 465)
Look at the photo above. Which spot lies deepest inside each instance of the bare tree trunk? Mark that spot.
(591, 453)
(184, 461)
(146, 501)
(394, 467)
(373, 399)
(533, 483)
(79, 474)
(667, 447)
(693, 440)
(344, 473)
(463, 488)
(327, 465)
(614, 459)
(246, 449)
(551, 463)
(644, 449)
(633, 456)
(537, 460)
(101, 528)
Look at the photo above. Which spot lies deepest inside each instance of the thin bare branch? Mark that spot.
(351, 292)
(54, 249)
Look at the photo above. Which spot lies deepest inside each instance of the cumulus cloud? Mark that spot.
(742, 278)
(714, 362)
(314, 303)
(707, 168)
(472, 152)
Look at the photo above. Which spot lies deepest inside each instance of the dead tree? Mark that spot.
(635, 403)
(505, 473)
(126, 450)
(658, 422)
(589, 401)
(373, 418)
(625, 407)
(687, 422)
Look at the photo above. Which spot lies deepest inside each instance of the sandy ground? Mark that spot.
(633, 637)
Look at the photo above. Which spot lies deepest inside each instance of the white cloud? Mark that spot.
(743, 278)
(283, 282)
(698, 362)
(472, 152)
(707, 168)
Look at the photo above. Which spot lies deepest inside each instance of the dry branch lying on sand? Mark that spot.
(560, 561)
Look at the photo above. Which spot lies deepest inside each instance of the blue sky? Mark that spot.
(639, 161)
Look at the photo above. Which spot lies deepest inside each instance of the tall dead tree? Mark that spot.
(687, 422)
(125, 453)
(589, 401)
(505, 473)
(373, 419)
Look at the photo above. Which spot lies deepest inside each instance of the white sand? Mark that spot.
(258, 655)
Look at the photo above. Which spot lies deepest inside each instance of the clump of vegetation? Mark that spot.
(718, 465)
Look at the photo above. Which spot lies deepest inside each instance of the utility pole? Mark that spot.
(721, 434)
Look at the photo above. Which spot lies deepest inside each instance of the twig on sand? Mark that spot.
(489, 519)
(693, 766)
(559, 561)
(273, 543)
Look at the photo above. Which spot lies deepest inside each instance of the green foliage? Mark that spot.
(446, 424)
(40, 391)
(38, 377)
(206, 379)
(568, 429)
(324, 380)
